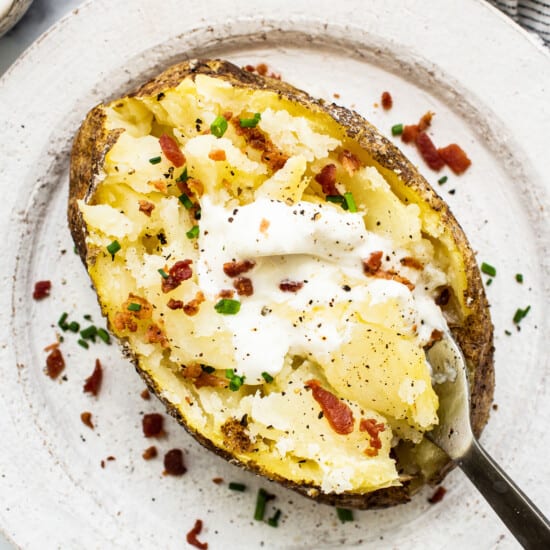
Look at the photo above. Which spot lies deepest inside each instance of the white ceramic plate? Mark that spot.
(489, 85)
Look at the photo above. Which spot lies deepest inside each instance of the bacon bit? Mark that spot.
(124, 320)
(264, 225)
(53, 346)
(226, 293)
(197, 528)
(287, 285)
(171, 150)
(373, 428)
(386, 100)
(192, 307)
(337, 413)
(262, 69)
(173, 463)
(373, 264)
(193, 370)
(429, 152)
(218, 154)
(54, 363)
(413, 263)
(438, 495)
(425, 122)
(102, 464)
(195, 186)
(146, 310)
(145, 394)
(174, 304)
(393, 276)
(455, 158)
(326, 178)
(336, 95)
(243, 286)
(349, 162)
(228, 115)
(155, 335)
(179, 272)
(188, 400)
(93, 382)
(369, 451)
(409, 134)
(232, 269)
(146, 207)
(235, 437)
(250, 68)
(217, 480)
(111, 458)
(86, 418)
(149, 453)
(41, 290)
(435, 336)
(444, 297)
(152, 425)
(160, 185)
(210, 380)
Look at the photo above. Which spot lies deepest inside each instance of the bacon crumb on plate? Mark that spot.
(149, 453)
(217, 480)
(192, 536)
(438, 495)
(93, 382)
(152, 424)
(145, 394)
(41, 290)
(386, 100)
(86, 418)
(455, 158)
(173, 463)
(55, 363)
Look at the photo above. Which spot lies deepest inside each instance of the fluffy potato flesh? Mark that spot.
(344, 267)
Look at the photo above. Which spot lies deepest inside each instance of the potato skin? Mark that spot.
(474, 336)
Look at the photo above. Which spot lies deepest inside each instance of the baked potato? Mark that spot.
(275, 268)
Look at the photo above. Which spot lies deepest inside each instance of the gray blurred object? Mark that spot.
(10, 13)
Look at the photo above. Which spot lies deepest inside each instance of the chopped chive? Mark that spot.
(197, 215)
(488, 269)
(489, 282)
(104, 335)
(228, 307)
(442, 180)
(219, 126)
(163, 273)
(350, 201)
(193, 233)
(250, 122)
(338, 199)
(397, 129)
(274, 520)
(134, 307)
(241, 487)
(62, 323)
(267, 377)
(155, 160)
(521, 314)
(508, 333)
(229, 373)
(519, 277)
(186, 201)
(344, 514)
(183, 177)
(75, 250)
(113, 248)
(89, 333)
(83, 343)
(261, 500)
(208, 369)
(236, 382)
(88, 317)
(74, 326)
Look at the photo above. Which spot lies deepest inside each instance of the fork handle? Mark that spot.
(519, 514)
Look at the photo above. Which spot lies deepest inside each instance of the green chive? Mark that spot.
(113, 248)
(519, 277)
(521, 314)
(250, 122)
(442, 180)
(193, 233)
(236, 382)
(186, 201)
(229, 373)
(83, 343)
(163, 273)
(267, 377)
(237, 487)
(488, 269)
(219, 126)
(344, 514)
(89, 333)
(508, 333)
(88, 317)
(155, 160)
(62, 323)
(489, 282)
(261, 500)
(274, 520)
(350, 201)
(183, 177)
(397, 129)
(338, 199)
(208, 369)
(74, 326)
(104, 335)
(228, 307)
(134, 307)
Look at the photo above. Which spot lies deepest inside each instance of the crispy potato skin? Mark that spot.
(475, 335)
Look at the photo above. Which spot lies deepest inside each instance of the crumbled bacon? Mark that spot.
(171, 150)
(228, 115)
(93, 382)
(373, 428)
(386, 100)
(149, 453)
(243, 286)
(349, 161)
(152, 424)
(413, 263)
(41, 290)
(443, 298)
(159, 185)
(261, 69)
(435, 336)
(210, 380)
(411, 131)
(425, 121)
(145, 310)
(338, 413)
(287, 285)
(145, 394)
(193, 370)
(217, 480)
(193, 306)
(124, 321)
(254, 137)
(438, 495)
(428, 151)
(146, 207)
(218, 154)
(226, 293)
(174, 304)
(195, 186)
(192, 536)
(393, 276)
(86, 418)
(373, 263)
(179, 272)
(52, 346)
(326, 178)
(264, 225)
(232, 269)
(54, 363)
(455, 158)
(235, 437)
(155, 335)
(173, 463)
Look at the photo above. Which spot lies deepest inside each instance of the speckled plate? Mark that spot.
(487, 81)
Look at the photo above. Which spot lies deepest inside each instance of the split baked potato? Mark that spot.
(276, 268)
